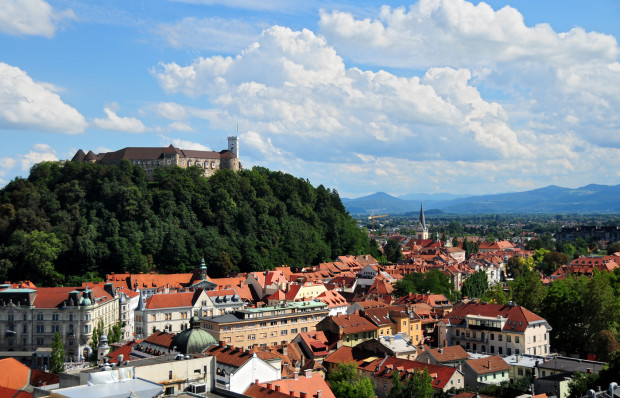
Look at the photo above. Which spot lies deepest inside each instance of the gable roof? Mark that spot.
(294, 386)
(490, 364)
(332, 298)
(160, 338)
(447, 354)
(518, 318)
(229, 355)
(172, 300)
(353, 323)
(385, 367)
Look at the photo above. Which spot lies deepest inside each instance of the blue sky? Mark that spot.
(361, 96)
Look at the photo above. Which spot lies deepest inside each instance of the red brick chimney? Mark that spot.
(303, 395)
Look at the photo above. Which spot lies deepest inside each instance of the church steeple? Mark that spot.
(422, 230)
(422, 219)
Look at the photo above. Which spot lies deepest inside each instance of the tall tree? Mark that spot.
(476, 285)
(392, 250)
(528, 291)
(417, 385)
(57, 359)
(345, 382)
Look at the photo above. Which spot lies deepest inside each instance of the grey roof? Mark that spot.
(398, 343)
(572, 365)
(132, 387)
(225, 318)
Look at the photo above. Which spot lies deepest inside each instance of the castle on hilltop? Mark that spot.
(150, 158)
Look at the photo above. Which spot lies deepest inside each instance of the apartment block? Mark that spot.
(266, 326)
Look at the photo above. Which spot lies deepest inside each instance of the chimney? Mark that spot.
(256, 381)
(302, 394)
(277, 388)
(223, 344)
(285, 349)
(269, 386)
(489, 364)
(319, 394)
(308, 373)
(296, 375)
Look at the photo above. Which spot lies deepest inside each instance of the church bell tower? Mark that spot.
(422, 230)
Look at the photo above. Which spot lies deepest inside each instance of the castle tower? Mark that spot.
(233, 145)
(422, 230)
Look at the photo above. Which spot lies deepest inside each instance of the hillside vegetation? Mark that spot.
(69, 222)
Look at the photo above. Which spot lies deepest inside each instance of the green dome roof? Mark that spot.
(192, 340)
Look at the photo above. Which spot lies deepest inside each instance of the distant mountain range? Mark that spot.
(552, 199)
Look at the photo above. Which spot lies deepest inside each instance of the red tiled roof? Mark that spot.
(41, 378)
(124, 350)
(384, 368)
(352, 323)
(489, 364)
(332, 298)
(229, 355)
(151, 281)
(293, 387)
(447, 354)
(14, 374)
(53, 297)
(170, 300)
(518, 317)
(258, 391)
(381, 316)
(162, 339)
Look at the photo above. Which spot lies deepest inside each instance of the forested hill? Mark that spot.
(69, 222)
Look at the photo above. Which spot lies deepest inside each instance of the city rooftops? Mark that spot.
(292, 308)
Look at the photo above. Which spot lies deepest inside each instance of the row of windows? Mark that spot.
(273, 333)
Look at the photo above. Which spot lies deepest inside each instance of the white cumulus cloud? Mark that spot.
(31, 17)
(117, 123)
(26, 104)
(458, 33)
(215, 34)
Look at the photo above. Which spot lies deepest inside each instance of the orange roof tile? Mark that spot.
(170, 300)
(14, 374)
(490, 364)
(310, 385)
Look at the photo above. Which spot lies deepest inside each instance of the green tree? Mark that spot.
(551, 261)
(115, 332)
(94, 342)
(419, 384)
(392, 250)
(471, 248)
(39, 251)
(476, 285)
(434, 281)
(57, 359)
(496, 295)
(581, 383)
(345, 382)
(527, 290)
(613, 248)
